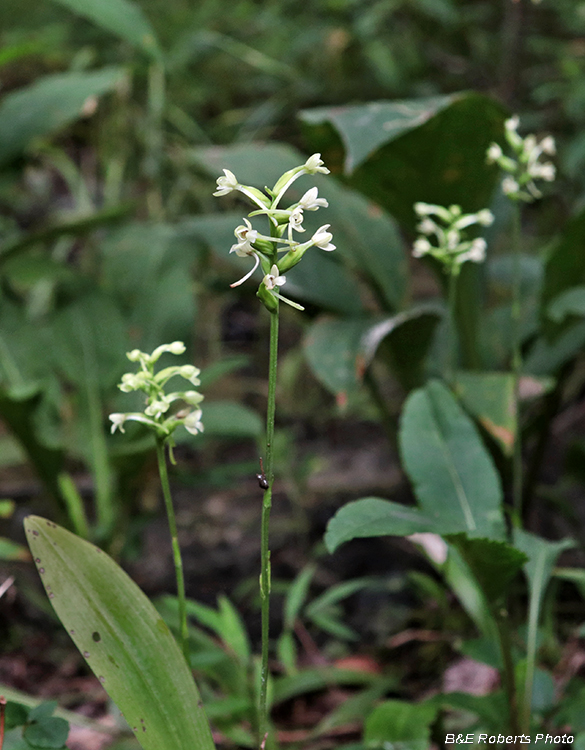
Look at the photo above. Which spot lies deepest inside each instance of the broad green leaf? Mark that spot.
(149, 267)
(122, 17)
(47, 105)
(454, 477)
(570, 302)
(47, 731)
(19, 411)
(364, 128)
(231, 419)
(489, 396)
(122, 637)
(494, 564)
(75, 227)
(565, 265)
(439, 158)
(339, 351)
(398, 722)
(88, 340)
(547, 357)
(372, 516)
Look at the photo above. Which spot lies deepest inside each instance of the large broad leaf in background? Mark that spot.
(489, 396)
(565, 266)
(48, 105)
(339, 351)
(122, 17)
(366, 237)
(429, 150)
(123, 639)
(148, 267)
(454, 478)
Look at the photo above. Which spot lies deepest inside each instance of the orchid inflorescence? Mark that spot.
(157, 401)
(265, 249)
(446, 228)
(525, 166)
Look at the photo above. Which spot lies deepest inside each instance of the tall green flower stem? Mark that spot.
(453, 272)
(164, 479)
(266, 506)
(516, 321)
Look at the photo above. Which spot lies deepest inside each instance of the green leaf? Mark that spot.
(364, 128)
(311, 680)
(542, 556)
(231, 419)
(122, 17)
(372, 516)
(233, 631)
(19, 412)
(15, 714)
(47, 732)
(493, 708)
(340, 351)
(547, 357)
(454, 478)
(489, 396)
(122, 637)
(396, 721)
(565, 265)
(149, 267)
(10, 550)
(297, 595)
(48, 105)
(438, 158)
(494, 564)
(570, 302)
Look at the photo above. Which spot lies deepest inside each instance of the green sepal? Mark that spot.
(268, 300)
(290, 260)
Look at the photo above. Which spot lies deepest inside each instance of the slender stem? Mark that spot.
(266, 506)
(516, 320)
(508, 672)
(531, 643)
(164, 480)
(452, 339)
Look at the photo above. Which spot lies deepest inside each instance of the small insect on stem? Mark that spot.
(262, 481)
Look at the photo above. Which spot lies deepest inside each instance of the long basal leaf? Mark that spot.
(123, 639)
(454, 477)
(47, 105)
(122, 17)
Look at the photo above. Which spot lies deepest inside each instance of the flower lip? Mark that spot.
(272, 279)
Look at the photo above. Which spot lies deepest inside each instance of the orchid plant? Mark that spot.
(276, 253)
(156, 416)
(443, 236)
